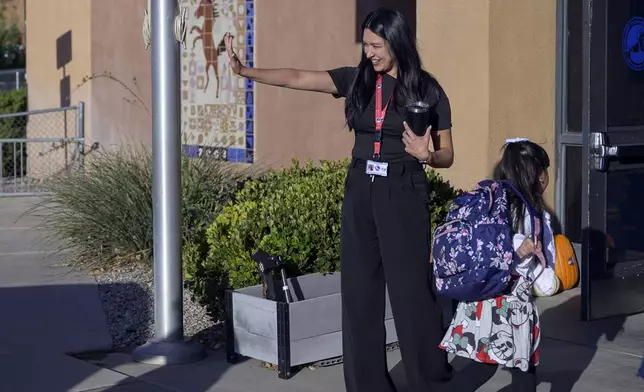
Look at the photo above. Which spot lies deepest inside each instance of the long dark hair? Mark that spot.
(413, 82)
(522, 165)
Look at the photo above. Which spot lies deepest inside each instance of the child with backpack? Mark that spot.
(489, 256)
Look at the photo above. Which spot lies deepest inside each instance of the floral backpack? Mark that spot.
(473, 251)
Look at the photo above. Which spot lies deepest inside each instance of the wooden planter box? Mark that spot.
(305, 331)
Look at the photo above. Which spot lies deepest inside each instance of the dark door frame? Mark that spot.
(605, 149)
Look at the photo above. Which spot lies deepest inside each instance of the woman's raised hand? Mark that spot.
(235, 63)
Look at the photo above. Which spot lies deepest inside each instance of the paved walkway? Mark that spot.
(47, 311)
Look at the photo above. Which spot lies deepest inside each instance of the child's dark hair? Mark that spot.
(522, 165)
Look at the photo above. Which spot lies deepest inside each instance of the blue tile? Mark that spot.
(191, 151)
(236, 155)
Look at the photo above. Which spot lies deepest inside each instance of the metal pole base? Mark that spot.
(156, 352)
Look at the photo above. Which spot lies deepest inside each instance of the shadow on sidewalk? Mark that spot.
(570, 345)
(45, 329)
(41, 323)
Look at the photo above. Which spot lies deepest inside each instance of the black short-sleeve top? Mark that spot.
(393, 149)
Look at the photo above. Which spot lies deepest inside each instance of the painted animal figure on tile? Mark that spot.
(208, 11)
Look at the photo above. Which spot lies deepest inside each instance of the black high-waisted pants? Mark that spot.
(386, 239)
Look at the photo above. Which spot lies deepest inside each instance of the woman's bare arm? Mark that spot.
(296, 79)
(418, 146)
(443, 156)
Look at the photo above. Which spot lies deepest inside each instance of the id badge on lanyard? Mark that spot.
(375, 167)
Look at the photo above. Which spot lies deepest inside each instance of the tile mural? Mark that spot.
(217, 106)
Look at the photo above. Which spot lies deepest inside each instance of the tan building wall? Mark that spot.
(460, 60)
(50, 21)
(296, 124)
(121, 105)
(522, 73)
(496, 60)
(105, 39)
(56, 25)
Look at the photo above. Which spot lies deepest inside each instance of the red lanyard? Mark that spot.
(380, 117)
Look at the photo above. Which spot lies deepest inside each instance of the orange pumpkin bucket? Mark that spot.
(566, 266)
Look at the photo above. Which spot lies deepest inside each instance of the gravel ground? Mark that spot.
(128, 301)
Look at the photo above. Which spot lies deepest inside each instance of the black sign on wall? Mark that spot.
(405, 7)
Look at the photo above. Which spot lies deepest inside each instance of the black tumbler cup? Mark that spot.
(418, 117)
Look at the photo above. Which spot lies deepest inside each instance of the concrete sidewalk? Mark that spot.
(48, 312)
(602, 356)
(44, 304)
(565, 367)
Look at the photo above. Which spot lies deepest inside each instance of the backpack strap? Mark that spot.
(535, 220)
(536, 232)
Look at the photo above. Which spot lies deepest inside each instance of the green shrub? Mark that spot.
(294, 213)
(104, 216)
(440, 197)
(13, 101)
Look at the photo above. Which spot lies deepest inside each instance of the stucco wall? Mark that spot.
(54, 26)
(50, 21)
(117, 116)
(522, 76)
(105, 39)
(305, 34)
(496, 60)
(454, 40)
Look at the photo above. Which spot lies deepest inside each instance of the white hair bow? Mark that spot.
(517, 140)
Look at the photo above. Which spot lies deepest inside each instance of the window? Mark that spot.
(574, 25)
(405, 7)
(569, 150)
(572, 192)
